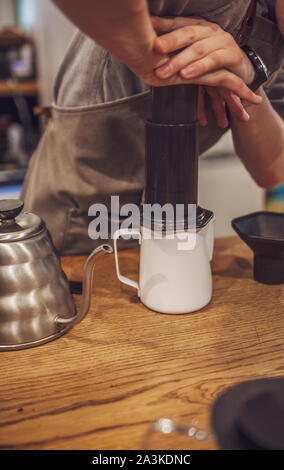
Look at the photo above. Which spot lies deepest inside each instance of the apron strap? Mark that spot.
(45, 111)
(247, 24)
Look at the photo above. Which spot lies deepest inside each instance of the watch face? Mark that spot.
(258, 59)
(261, 71)
(265, 68)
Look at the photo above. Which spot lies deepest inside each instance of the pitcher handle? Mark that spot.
(116, 236)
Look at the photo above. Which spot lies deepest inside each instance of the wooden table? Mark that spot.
(106, 381)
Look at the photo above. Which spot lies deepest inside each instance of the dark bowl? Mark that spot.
(263, 232)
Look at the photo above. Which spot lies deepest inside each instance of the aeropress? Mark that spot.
(176, 236)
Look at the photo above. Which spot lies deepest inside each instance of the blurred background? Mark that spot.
(34, 36)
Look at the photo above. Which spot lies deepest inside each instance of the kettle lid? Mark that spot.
(15, 224)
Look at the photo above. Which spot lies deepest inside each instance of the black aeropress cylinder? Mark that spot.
(172, 146)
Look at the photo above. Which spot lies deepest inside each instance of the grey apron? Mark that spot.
(90, 153)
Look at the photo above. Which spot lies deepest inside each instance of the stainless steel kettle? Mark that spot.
(36, 305)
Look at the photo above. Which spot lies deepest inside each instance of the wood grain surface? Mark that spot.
(103, 384)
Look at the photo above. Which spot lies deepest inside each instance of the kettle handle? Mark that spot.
(87, 287)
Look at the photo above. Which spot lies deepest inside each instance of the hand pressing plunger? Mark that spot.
(211, 57)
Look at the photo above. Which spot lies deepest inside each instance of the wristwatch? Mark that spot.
(261, 71)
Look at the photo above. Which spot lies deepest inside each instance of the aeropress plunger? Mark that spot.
(176, 236)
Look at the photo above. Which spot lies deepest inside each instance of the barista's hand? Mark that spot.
(207, 55)
(206, 47)
(212, 72)
(220, 97)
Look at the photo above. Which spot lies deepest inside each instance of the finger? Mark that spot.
(219, 107)
(193, 55)
(183, 37)
(201, 109)
(234, 104)
(217, 59)
(228, 80)
(221, 78)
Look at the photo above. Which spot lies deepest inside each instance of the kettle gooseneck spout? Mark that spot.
(87, 287)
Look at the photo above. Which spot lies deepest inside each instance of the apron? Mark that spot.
(85, 156)
(90, 153)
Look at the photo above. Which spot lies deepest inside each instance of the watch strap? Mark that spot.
(261, 72)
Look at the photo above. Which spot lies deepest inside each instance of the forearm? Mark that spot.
(260, 143)
(123, 27)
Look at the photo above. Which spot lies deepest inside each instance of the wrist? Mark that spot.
(248, 70)
(134, 46)
(145, 60)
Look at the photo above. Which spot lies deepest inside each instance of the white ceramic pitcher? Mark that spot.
(175, 274)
